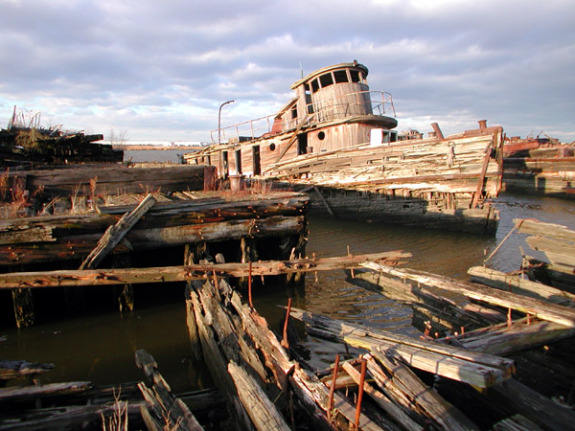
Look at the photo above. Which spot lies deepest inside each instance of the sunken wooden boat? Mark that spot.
(539, 166)
(337, 138)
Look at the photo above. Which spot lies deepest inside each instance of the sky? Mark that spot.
(148, 70)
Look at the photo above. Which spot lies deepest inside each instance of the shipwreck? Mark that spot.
(336, 138)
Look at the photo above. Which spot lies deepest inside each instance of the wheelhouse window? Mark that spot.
(314, 86)
(326, 80)
(354, 75)
(340, 76)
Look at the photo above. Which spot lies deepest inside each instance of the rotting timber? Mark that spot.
(526, 315)
(87, 217)
(401, 382)
(539, 166)
(336, 139)
(25, 143)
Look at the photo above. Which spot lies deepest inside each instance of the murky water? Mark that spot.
(100, 348)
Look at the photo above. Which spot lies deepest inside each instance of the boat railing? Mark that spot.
(353, 104)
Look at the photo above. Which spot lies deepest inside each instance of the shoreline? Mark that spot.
(156, 147)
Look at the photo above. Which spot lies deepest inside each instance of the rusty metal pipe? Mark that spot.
(360, 393)
(332, 388)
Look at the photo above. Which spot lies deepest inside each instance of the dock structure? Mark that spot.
(472, 368)
(103, 217)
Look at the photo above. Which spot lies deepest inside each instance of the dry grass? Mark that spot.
(119, 420)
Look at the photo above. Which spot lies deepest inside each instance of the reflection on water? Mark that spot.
(101, 349)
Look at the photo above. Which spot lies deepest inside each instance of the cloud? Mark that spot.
(161, 70)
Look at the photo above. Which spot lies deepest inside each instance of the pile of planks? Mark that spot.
(534, 320)
(267, 388)
(177, 220)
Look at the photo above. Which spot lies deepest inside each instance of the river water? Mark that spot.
(100, 347)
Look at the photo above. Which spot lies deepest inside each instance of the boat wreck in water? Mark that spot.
(539, 166)
(337, 137)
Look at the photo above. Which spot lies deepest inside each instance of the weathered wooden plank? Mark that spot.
(20, 393)
(504, 339)
(114, 234)
(22, 235)
(171, 411)
(169, 274)
(78, 246)
(116, 178)
(541, 309)
(539, 228)
(401, 383)
(316, 394)
(518, 285)
(395, 412)
(10, 369)
(455, 363)
(262, 411)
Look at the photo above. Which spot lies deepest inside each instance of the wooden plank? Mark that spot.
(518, 285)
(74, 247)
(169, 410)
(396, 379)
(541, 309)
(395, 412)
(10, 369)
(453, 363)
(114, 234)
(261, 410)
(539, 228)
(103, 277)
(316, 394)
(504, 339)
(481, 180)
(21, 393)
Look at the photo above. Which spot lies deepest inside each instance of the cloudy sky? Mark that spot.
(159, 70)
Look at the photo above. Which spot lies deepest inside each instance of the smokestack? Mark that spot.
(437, 130)
(482, 124)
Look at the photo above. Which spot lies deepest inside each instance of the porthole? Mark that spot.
(272, 146)
(321, 136)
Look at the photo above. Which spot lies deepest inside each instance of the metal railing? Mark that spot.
(347, 106)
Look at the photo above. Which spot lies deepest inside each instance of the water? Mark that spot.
(100, 348)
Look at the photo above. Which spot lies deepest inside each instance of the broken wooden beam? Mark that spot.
(169, 411)
(399, 382)
(10, 369)
(31, 392)
(514, 283)
(541, 309)
(107, 277)
(262, 411)
(394, 411)
(481, 370)
(114, 234)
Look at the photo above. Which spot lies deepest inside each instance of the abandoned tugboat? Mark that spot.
(337, 138)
